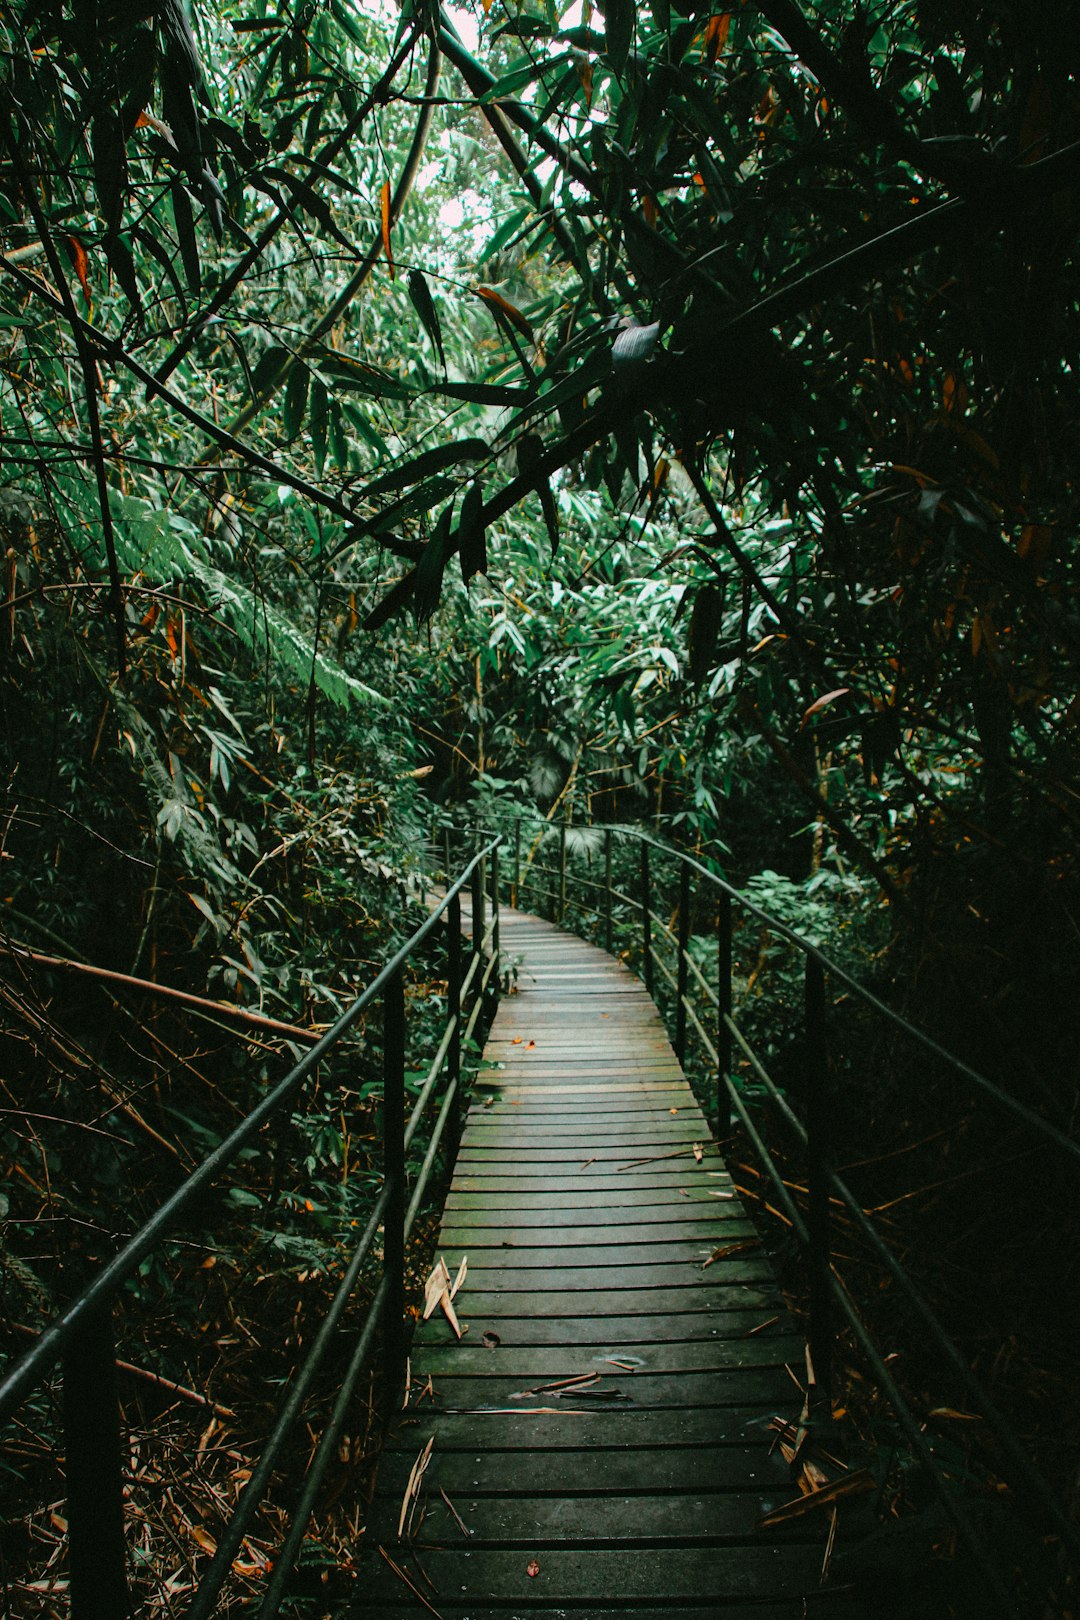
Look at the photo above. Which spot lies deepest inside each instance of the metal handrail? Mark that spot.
(810, 951)
(827, 1289)
(82, 1334)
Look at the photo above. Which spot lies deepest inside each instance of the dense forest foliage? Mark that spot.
(639, 413)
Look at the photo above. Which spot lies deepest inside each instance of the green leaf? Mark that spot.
(471, 534)
(319, 423)
(423, 465)
(269, 364)
(619, 19)
(424, 305)
(296, 394)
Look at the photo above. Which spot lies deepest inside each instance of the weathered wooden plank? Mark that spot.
(556, 1302)
(574, 1577)
(692, 1251)
(706, 1427)
(672, 1327)
(453, 1608)
(502, 1130)
(529, 1225)
(537, 1198)
(639, 1279)
(716, 1224)
(591, 1473)
(543, 1363)
(741, 1387)
(561, 1520)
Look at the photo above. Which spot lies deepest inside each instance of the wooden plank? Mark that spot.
(707, 1427)
(538, 1197)
(676, 1252)
(454, 1608)
(714, 1225)
(558, 1303)
(543, 1363)
(672, 1327)
(747, 1386)
(537, 1522)
(593, 1473)
(639, 1279)
(486, 1226)
(577, 1576)
(653, 1178)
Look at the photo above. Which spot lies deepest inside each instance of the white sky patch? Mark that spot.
(466, 25)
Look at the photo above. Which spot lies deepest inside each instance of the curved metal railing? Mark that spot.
(81, 1337)
(575, 898)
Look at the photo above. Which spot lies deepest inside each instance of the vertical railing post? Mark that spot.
(684, 946)
(517, 862)
(646, 917)
(95, 1487)
(723, 1033)
(393, 1124)
(607, 890)
(562, 870)
(819, 1156)
(453, 1009)
(478, 923)
(493, 982)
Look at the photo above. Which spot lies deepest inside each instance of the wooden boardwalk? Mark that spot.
(604, 1243)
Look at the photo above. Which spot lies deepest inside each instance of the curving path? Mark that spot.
(602, 1430)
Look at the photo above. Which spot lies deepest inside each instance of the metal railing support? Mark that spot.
(646, 918)
(453, 1007)
(607, 890)
(562, 871)
(681, 972)
(393, 1124)
(95, 1488)
(818, 1163)
(723, 1013)
(493, 983)
(478, 921)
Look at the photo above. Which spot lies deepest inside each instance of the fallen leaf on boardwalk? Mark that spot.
(437, 1284)
(412, 1489)
(532, 1567)
(829, 1546)
(856, 1484)
(517, 1040)
(727, 1249)
(460, 1278)
(490, 1340)
(529, 1043)
(459, 1521)
(673, 1110)
(698, 1152)
(413, 1588)
(728, 1198)
(579, 1381)
(437, 1291)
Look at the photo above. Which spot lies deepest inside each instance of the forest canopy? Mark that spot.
(662, 403)
(419, 416)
